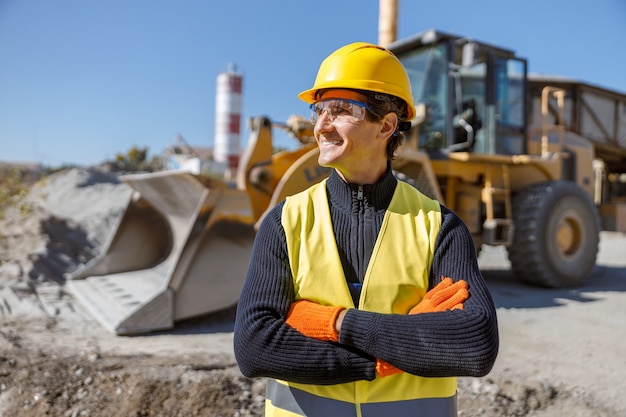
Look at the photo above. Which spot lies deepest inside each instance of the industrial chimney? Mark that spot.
(228, 119)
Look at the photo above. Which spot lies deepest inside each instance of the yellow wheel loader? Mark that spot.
(527, 162)
(536, 165)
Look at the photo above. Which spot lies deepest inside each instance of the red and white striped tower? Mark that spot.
(228, 118)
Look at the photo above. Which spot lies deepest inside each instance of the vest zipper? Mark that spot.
(359, 194)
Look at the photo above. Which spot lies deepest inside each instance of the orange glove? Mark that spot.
(314, 320)
(384, 368)
(447, 295)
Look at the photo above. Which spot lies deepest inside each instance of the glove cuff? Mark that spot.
(314, 320)
(385, 369)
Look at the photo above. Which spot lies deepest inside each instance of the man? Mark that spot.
(363, 296)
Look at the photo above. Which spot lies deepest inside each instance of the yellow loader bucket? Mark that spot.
(180, 250)
(182, 247)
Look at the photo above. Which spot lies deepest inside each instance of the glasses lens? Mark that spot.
(341, 110)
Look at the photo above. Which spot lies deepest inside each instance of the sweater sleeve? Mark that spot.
(452, 343)
(264, 345)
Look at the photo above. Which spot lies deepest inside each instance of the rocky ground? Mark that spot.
(562, 351)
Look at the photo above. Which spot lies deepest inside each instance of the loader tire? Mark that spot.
(557, 233)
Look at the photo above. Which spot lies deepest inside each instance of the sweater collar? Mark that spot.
(377, 195)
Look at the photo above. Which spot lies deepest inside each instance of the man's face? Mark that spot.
(346, 143)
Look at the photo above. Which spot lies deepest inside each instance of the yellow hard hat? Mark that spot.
(363, 66)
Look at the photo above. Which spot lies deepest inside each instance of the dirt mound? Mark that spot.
(61, 224)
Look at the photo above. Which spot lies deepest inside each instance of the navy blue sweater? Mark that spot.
(452, 343)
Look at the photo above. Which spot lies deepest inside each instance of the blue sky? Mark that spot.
(81, 80)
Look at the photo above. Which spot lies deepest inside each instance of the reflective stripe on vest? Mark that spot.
(396, 280)
(292, 402)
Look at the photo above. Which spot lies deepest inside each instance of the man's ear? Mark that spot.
(388, 125)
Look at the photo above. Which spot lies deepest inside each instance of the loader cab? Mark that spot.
(471, 95)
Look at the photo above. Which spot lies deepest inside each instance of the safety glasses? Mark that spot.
(339, 109)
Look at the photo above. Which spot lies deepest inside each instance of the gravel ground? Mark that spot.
(562, 351)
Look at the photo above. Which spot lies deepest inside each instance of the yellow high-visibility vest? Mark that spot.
(396, 280)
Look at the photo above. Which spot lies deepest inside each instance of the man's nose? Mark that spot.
(323, 120)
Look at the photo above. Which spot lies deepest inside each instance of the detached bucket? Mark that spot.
(180, 250)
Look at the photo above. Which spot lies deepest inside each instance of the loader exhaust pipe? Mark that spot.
(387, 22)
